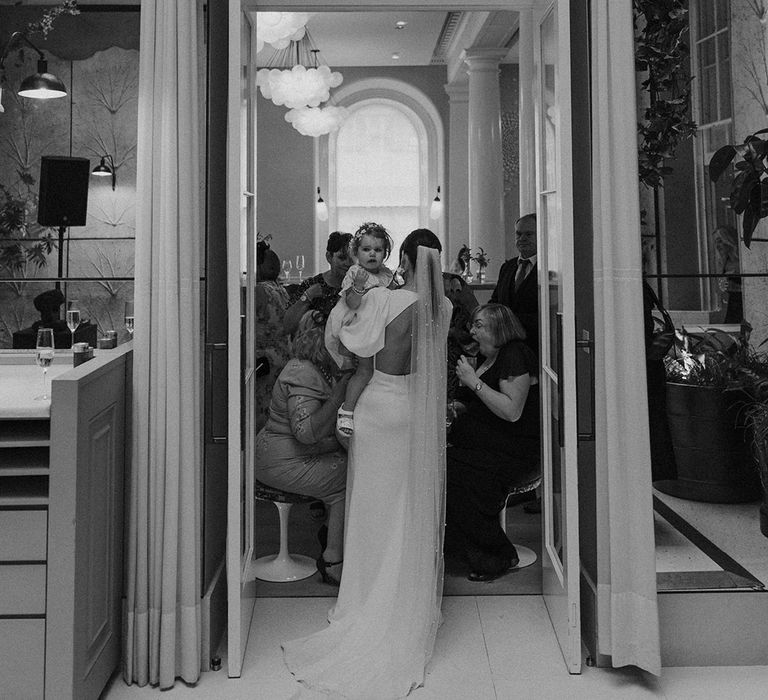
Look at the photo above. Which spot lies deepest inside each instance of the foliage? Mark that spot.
(749, 187)
(15, 251)
(661, 50)
(44, 25)
(481, 258)
(718, 359)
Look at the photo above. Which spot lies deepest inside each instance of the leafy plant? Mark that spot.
(718, 359)
(661, 50)
(481, 258)
(749, 187)
(15, 249)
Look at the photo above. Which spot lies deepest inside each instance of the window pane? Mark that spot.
(377, 159)
(399, 221)
(706, 17)
(708, 95)
(722, 14)
(725, 90)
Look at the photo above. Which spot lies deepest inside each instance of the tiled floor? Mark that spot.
(489, 648)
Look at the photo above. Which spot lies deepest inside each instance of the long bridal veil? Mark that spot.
(425, 505)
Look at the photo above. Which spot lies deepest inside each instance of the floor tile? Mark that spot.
(520, 640)
(716, 682)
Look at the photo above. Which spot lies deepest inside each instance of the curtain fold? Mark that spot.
(162, 626)
(628, 626)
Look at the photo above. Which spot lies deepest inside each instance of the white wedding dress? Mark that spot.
(382, 628)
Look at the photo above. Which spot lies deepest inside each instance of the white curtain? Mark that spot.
(162, 635)
(628, 626)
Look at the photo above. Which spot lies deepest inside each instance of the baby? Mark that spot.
(371, 245)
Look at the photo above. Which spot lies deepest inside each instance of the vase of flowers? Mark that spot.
(482, 260)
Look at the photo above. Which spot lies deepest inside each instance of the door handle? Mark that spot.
(587, 345)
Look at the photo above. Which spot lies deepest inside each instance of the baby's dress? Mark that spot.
(341, 315)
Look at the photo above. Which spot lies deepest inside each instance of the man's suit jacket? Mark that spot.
(524, 302)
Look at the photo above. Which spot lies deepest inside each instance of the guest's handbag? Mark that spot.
(664, 331)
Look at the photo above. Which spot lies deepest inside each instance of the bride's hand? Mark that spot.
(465, 372)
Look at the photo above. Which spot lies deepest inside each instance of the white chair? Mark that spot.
(282, 566)
(526, 554)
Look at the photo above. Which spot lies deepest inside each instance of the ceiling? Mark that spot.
(371, 38)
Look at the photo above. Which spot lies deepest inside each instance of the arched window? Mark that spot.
(383, 164)
(378, 171)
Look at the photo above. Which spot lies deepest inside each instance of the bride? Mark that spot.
(383, 626)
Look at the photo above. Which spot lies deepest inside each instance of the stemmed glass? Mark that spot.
(300, 265)
(44, 356)
(128, 316)
(73, 318)
(287, 266)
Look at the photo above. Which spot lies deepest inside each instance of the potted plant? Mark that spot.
(749, 186)
(709, 377)
(17, 248)
(482, 261)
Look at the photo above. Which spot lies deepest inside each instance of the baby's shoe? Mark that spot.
(345, 424)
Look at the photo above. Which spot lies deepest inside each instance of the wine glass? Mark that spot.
(287, 266)
(299, 265)
(44, 356)
(128, 316)
(73, 317)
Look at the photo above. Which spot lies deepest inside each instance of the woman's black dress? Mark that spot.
(486, 456)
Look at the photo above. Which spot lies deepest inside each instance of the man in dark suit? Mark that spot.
(517, 287)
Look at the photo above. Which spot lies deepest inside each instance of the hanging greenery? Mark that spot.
(661, 50)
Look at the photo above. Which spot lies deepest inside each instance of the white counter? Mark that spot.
(20, 383)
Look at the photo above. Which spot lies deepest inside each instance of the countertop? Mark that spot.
(20, 383)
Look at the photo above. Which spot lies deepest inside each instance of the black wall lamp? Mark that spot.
(41, 85)
(102, 169)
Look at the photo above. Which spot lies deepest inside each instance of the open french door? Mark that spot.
(241, 242)
(560, 536)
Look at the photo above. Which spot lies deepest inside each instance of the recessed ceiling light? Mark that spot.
(396, 56)
(400, 24)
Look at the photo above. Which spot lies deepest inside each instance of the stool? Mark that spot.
(526, 554)
(282, 566)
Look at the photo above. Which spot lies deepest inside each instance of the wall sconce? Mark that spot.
(436, 208)
(41, 85)
(103, 170)
(321, 208)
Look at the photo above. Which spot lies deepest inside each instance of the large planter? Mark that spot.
(714, 462)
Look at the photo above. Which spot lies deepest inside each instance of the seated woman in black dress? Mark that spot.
(494, 441)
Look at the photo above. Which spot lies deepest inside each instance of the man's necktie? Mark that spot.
(522, 269)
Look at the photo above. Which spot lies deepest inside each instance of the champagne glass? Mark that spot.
(128, 316)
(287, 266)
(299, 265)
(73, 318)
(44, 356)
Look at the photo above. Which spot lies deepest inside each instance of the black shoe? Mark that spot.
(322, 567)
(317, 511)
(493, 575)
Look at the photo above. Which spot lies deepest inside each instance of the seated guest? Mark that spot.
(271, 341)
(460, 342)
(321, 292)
(296, 451)
(494, 441)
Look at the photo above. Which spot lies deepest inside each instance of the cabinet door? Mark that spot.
(22, 658)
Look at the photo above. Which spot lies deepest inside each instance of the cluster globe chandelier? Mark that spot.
(293, 78)
(279, 29)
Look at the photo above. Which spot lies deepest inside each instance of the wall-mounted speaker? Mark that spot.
(63, 198)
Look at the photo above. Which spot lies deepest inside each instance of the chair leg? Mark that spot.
(283, 566)
(526, 554)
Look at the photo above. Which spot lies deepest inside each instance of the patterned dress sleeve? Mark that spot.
(306, 391)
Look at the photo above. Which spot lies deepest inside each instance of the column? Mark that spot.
(486, 176)
(527, 125)
(457, 195)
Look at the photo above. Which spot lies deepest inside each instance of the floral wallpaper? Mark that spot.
(97, 117)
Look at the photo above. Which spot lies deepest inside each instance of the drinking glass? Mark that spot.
(287, 266)
(73, 317)
(299, 265)
(129, 316)
(44, 356)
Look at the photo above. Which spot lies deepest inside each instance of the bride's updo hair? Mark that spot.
(421, 236)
